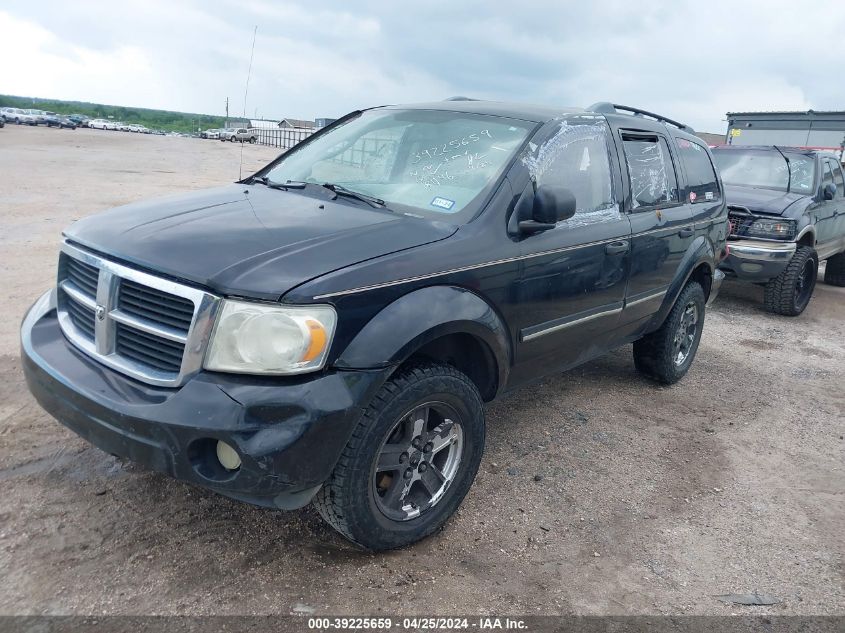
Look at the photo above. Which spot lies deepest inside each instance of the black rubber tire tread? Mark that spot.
(340, 501)
(779, 293)
(653, 352)
(834, 272)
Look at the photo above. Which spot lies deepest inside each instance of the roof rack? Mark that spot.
(614, 108)
(460, 98)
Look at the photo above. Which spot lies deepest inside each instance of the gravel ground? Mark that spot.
(600, 493)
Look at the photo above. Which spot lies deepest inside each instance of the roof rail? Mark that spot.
(614, 108)
(460, 98)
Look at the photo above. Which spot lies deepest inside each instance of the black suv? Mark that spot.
(331, 327)
(786, 208)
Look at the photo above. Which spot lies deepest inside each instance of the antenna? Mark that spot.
(246, 91)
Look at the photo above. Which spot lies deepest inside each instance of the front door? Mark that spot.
(830, 214)
(572, 284)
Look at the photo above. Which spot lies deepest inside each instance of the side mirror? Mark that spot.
(829, 191)
(551, 205)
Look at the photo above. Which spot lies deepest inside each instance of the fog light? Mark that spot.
(227, 456)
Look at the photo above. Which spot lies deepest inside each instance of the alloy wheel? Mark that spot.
(685, 334)
(418, 461)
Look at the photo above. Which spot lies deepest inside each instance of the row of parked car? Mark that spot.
(232, 134)
(35, 117)
(40, 117)
(108, 124)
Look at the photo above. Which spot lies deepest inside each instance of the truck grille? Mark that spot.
(157, 306)
(149, 350)
(150, 328)
(741, 220)
(84, 276)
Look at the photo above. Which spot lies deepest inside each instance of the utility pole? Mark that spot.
(227, 112)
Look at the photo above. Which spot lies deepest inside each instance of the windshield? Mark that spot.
(766, 169)
(425, 160)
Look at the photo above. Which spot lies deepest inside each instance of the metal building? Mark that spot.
(815, 130)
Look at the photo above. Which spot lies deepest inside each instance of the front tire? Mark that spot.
(667, 354)
(410, 460)
(834, 271)
(790, 292)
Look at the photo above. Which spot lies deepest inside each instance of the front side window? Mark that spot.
(576, 157)
(766, 169)
(838, 178)
(651, 172)
(701, 176)
(415, 160)
(827, 179)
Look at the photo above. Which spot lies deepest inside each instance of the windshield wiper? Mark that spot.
(788, 168)
(337, 190)
(284, 186)
(340, 190)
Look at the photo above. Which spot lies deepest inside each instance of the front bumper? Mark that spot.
(757, 260)
(288, 432)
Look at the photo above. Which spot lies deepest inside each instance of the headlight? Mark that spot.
(774, 229)
(255, 338)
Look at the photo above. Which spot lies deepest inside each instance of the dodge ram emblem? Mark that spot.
(100, 311)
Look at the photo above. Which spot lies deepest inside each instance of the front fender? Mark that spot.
(422, 316)
(701, 251)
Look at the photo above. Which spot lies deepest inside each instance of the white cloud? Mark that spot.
(38, 63)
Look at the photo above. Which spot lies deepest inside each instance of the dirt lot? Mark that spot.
(651, 500)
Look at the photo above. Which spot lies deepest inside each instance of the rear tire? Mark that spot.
(834, 272)
(410, 460)
(667, 354)
(790, 292)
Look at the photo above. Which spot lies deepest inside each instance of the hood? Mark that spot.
(757, 200)
(250, 240)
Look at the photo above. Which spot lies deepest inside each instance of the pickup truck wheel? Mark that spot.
(834, 272)
(666, 355)
(790, 292)
(410, 460)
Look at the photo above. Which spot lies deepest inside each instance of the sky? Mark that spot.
(691, 61)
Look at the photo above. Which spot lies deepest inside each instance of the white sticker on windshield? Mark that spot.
(443, 203)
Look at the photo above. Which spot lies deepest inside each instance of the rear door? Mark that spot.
(703, 190)
(661, 222)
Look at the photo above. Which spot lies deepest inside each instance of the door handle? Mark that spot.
(616, 248)
(685, 232)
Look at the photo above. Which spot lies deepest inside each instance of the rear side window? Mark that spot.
(702, 184)
(652, 175)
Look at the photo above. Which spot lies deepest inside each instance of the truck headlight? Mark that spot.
(256, 338)
(774, 229)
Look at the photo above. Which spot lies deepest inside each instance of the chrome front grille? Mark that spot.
(150, 328)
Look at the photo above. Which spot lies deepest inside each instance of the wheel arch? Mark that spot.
(698, 264)
(448, 324)
(807, 236)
